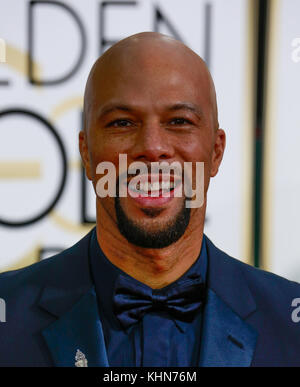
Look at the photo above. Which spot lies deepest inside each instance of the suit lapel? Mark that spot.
(227, 339)
(78, 329)
(69, 297)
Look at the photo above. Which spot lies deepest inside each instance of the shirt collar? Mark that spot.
(106, 273)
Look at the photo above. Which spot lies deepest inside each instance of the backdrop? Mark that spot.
(281, 205)
(48, 48)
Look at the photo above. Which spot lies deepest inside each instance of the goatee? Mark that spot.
(158, 239)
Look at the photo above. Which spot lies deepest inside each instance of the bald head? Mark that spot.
(148, 53)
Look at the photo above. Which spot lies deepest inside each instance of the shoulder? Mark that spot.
(273, 299)
(34, 297)
(276, 317)
(276, 299)
(260, 281)
(67, 267)
(265, 283)
(267, 302)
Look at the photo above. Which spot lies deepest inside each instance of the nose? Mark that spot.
(152, 143)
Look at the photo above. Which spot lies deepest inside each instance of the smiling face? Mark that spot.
(151, 98)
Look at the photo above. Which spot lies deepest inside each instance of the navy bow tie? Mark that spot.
(133, 300)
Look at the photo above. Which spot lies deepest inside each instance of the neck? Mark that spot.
(156, 268)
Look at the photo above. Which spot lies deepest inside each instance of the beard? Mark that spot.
(161, 235)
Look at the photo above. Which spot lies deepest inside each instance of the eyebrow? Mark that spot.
(178, 106)
(187, 106)
(110, 108)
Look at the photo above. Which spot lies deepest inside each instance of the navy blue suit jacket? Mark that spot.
(51, 311)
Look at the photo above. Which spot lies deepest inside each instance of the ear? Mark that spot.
(84, 152)
(218, 151)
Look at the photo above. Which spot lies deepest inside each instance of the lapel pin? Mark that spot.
(80, 359)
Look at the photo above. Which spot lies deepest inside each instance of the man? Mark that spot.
(147, 287)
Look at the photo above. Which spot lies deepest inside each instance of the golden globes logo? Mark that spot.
(2, 51)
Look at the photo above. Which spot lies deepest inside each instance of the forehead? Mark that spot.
(149, 77)
(149, 88)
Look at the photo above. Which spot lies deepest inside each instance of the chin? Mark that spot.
(154, 227)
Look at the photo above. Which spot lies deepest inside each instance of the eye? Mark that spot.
(180, 121)
(120, 123)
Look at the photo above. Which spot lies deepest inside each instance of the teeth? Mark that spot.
(167, 185)
(144, 187)
(156, 186)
